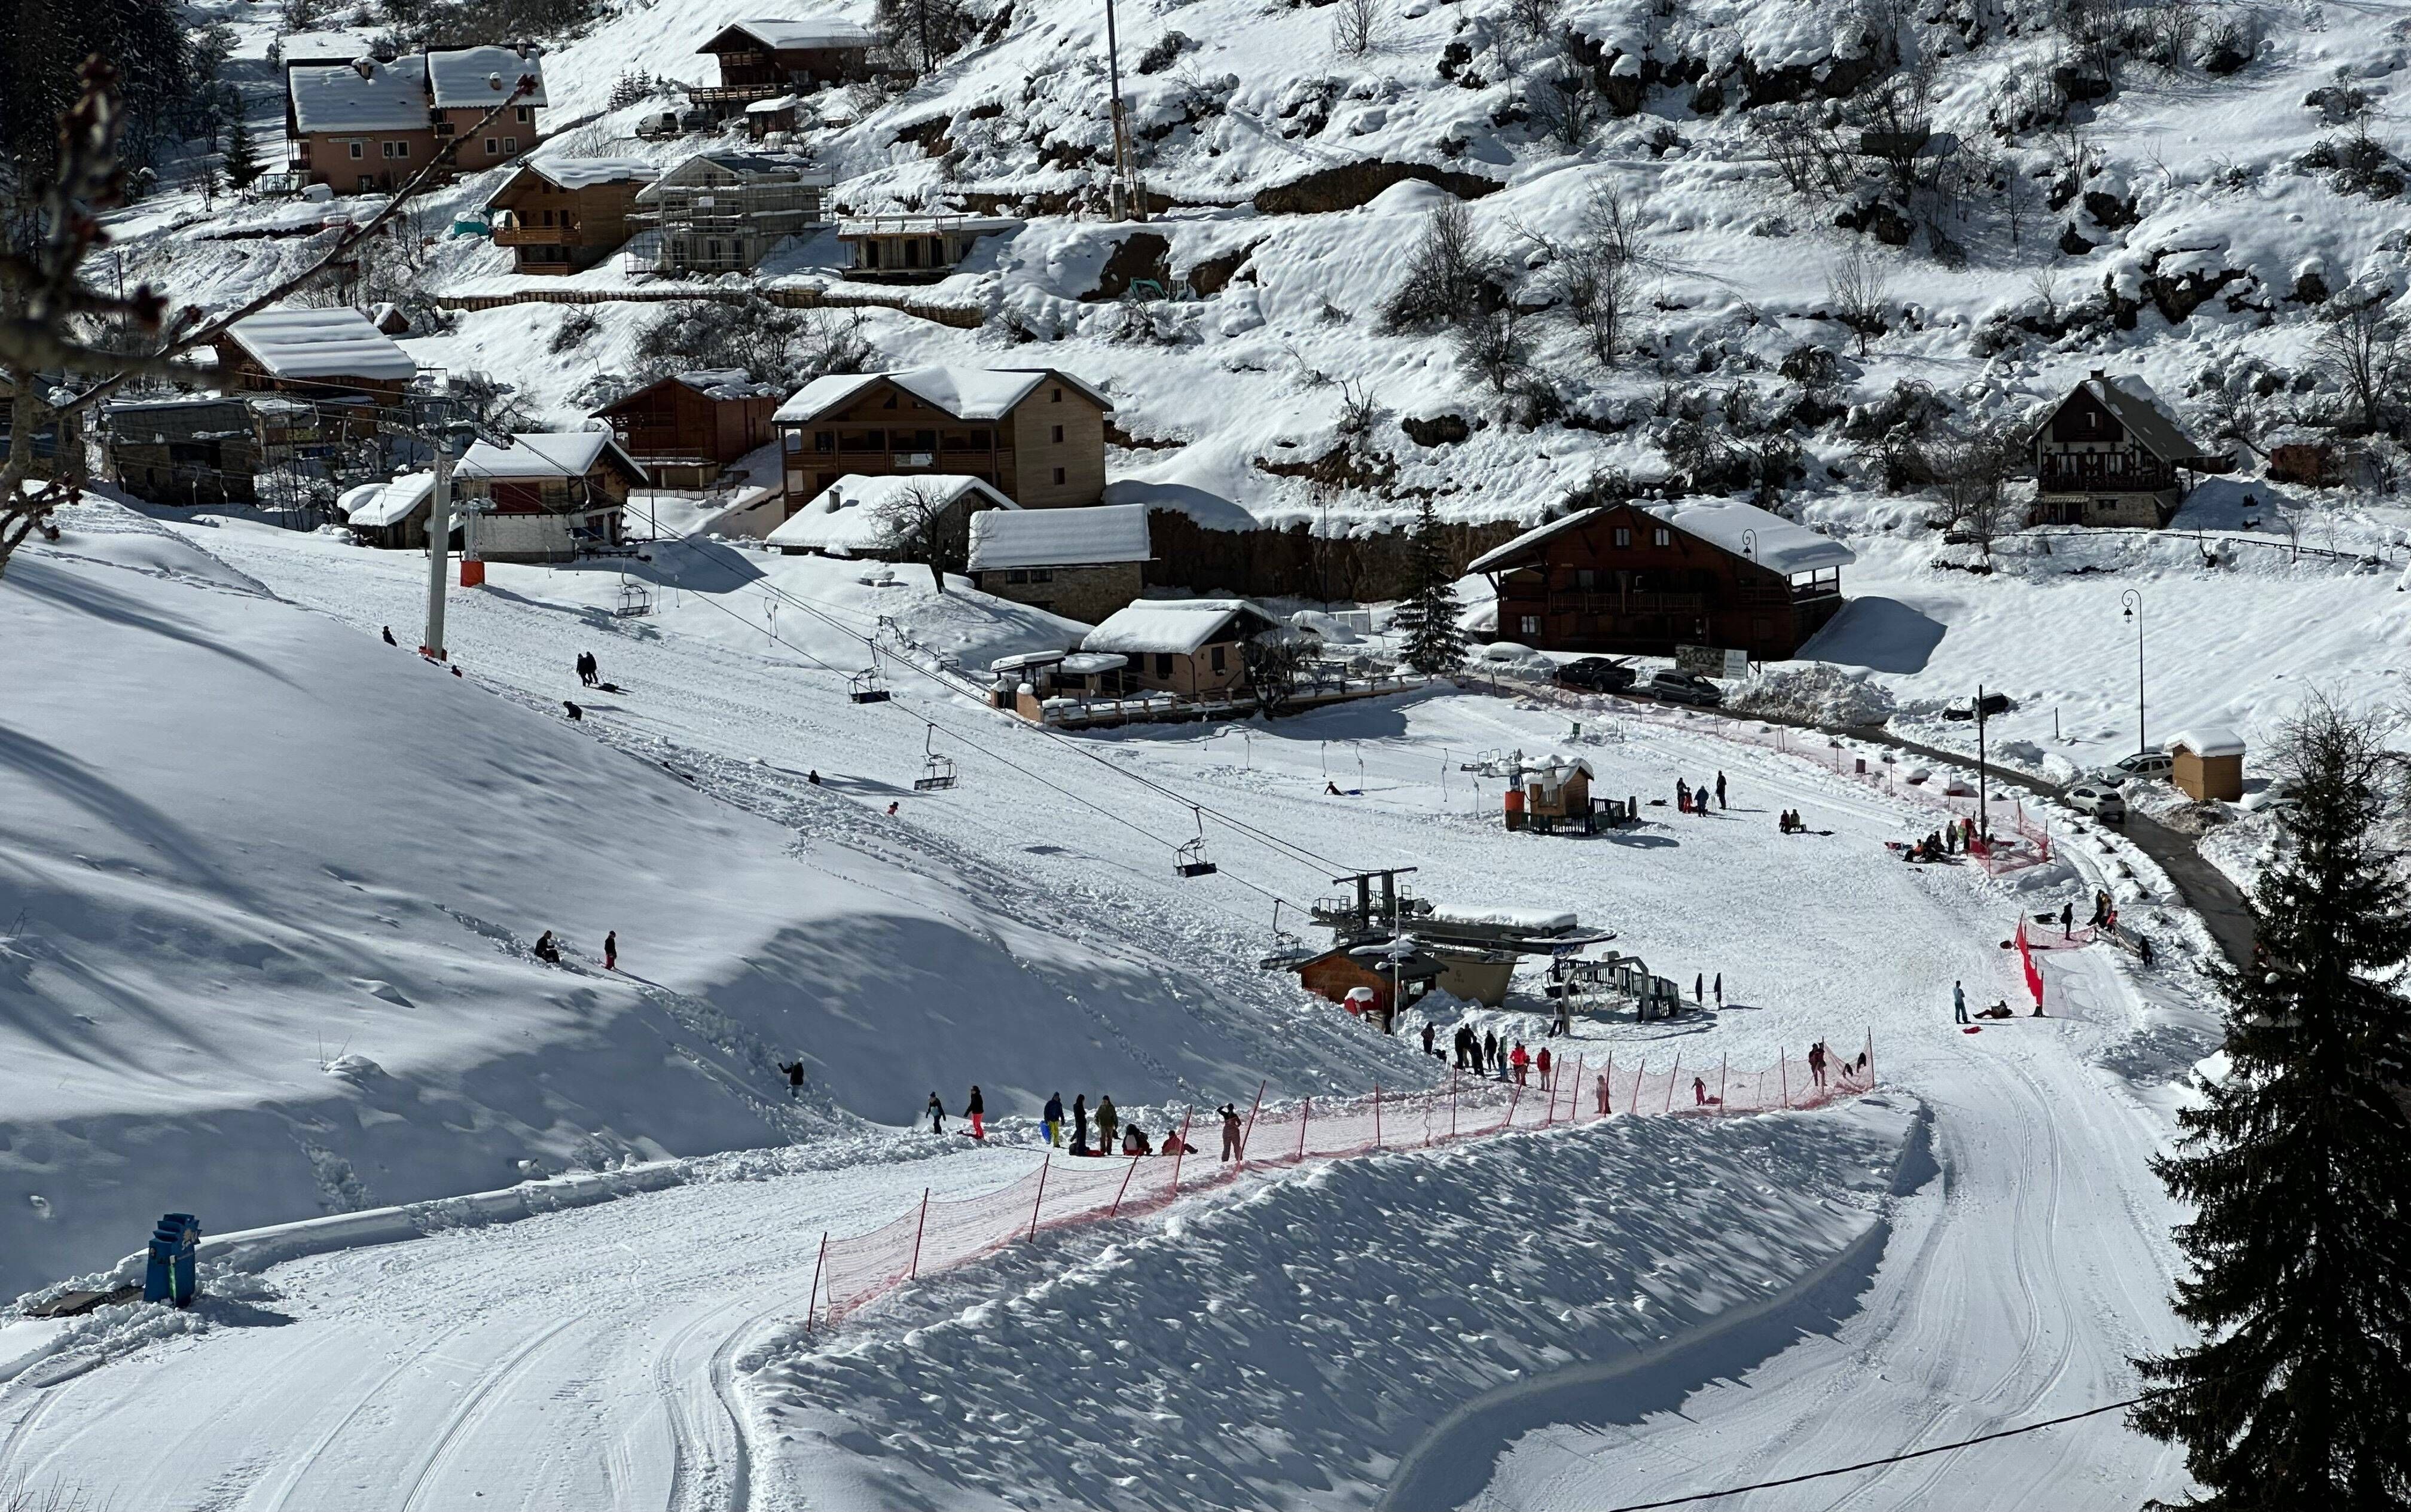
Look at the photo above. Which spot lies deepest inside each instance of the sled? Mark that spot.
(1972, 1028)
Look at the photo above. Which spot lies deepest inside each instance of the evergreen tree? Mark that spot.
(2298, 1163)
(242, 149)
(1428, 616)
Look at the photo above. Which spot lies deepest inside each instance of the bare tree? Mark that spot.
(925, 525)
(1275, 661)
(1358, 409)
(1860, 292)
(1492, 343)
(1449, 275)
(1972, 468)
(1356, 27)
(1565, 100)
(2361, 348)
(55, 370)
(1596, 273)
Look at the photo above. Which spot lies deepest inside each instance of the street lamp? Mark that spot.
(1750, 545)
(2133, 600)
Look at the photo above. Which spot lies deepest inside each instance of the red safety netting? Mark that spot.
(939, 1233)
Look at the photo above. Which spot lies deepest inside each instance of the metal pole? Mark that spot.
(1305, 1107)
(1250, 1132)
(1123, 173)
(1723, 1063)
(2133, 600)
(1608, 1077)
(918, 1230)
(1783, 1075)
(1633, 1102)
(1044, 1162)
(1128, 1171)
(439, 551)
(1671, 1077)
(1188, 1116)
(818, 1261)
(1983, 814)
(1452, 1101)
(1574, 1099)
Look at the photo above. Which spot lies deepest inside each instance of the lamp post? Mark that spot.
(2133, 600)
(1750, 545)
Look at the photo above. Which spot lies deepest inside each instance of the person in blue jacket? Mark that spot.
(1055, 1118)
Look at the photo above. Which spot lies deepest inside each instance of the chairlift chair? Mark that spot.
(936, 771)
(867, 687)
(1189, 857)
(635, 599)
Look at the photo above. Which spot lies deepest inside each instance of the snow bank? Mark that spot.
(1815, 692)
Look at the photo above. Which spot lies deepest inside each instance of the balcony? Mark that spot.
(1639, 602)
(535, 236)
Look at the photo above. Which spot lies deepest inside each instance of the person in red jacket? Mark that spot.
(1520, 1062)
(1543, 1064)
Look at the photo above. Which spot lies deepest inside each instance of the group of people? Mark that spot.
(1506, 1060)
(1693, 800)
(1790, 823)
(1957, 836)
(2000, 1009)
(590, 670)
(547, 950)
(1110, 1128)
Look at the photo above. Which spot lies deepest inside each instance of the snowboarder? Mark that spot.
(937, 1115)
(1959, 1001)
(1720, 789)
(1542, 1062)
(1107, 1120)
(794, 1075)
(1520, 1061)
(575, 712)
(1080, 1124)
(388, 636)
(1699, 1092)
(2068, 920)
(976, 1110)
(1330, 789)
(1054, 1118)
(611, 950)
(545, 951)
(891, 810)
(1230, 1130)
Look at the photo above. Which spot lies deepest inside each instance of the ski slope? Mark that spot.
(643, 1352)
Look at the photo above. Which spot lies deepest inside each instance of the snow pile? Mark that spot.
(1818, 692)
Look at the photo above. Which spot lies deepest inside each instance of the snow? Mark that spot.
(856, 515)
(928, 225)
(333, 343)
(964, 393)
(804, 33)
(481, 77)
(2206, 740)
(335, 47)
(586, 172)
(1089, 536)
(559, 454)
(375, 504)
(1530, 921)
(1499, 557)
(1174, 627)
(1745, 530)
(392, 96)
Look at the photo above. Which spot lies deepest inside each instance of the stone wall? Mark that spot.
(1084, 593)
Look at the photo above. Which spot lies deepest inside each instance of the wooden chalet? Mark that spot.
(1186, 646)
(1372, 976)
(2111, 454)
(567, 214)
(863, 517)
(547, 496)
(193, 449)
(762, 58)
(1641, 579)
(1081, 563)
(687, 428)
(349, 375)
(914, 248)
(360, 127)
(1035, 434)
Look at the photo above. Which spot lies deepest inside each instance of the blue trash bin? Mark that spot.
(174, 1274)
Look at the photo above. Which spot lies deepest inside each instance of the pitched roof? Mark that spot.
(853, 515)
(586, 172)
(964, 393)
(482, 77)
(376, 504)
(1176, 627)
(2133, 404)
(795, 34)
(2207, 740)
(389, 96)
(321, 343)
(1745, 530)
(1058, 537)
(546, 454)
(1501, 556)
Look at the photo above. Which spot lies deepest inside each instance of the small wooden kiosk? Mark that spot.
(2208, 764)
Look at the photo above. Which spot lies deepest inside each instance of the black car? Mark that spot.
(1595, 673)
(1684, 688)
(1964, 708)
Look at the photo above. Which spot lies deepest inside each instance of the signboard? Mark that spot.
(1712, 662)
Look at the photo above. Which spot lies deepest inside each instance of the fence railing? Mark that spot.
(939, 1233)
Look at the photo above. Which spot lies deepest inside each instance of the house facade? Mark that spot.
(867, 517)
(721, 213)
(2111, 455)
(547, 496)
(367, 127)
(201, 449)
(1035, 434)
(567, 214)
(1080, 563)
(1184, 646)
(687, 428)
(914, 248)
(1640, 579)
(762, 58)
(465, 85)
(335, 360)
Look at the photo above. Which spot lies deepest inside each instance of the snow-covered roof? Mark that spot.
(1089, 663)
(384, 97)
(586, 172)
(544, 454)
(865, 226)
(1531, 921)
(785, 102)
(726, 382)
(2207, 740)
(2139, 409)
(324, 47)
(1774, 543)
(964, 393)
(376, 504)
(795, 34)
(335, 342)
(481, 77)
(1176, 627)
(1058, 537)
(854, 515)
(710, 169)
(1501, 555)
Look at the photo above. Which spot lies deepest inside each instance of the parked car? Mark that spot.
(1597, 673)
(2143, 764)
(2099, 799)
(2277, 799)
(1964, 708)
(1683, 688)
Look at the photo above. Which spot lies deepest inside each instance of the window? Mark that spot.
(825, 441)
(1531, 624)
(1057, 399)
(359, 148)
(1662, 537)
(526, 112)
(1041, 575)
(1059, 435)
(1219, 654)
(1059, 477)
(1585, 579)
(510, 146)
(1623, 535)
(1017, 576)
(1162, 664)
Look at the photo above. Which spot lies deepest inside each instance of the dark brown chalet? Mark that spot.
(2111, 455)
(685, 429)
(1640, 579)
(766, 59)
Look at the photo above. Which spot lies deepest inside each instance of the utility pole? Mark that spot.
(1126, 186)
(2134, 603)
(1983, 814)
(439, 548)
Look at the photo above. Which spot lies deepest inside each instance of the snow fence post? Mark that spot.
(1514, 1096)
(811, 1296)
(1783, 1075)
(1633, 1102)
(1574, 1101)
(1377, 1116)
(1187, 1116)
(1452, 1101)
(1671, 1077)
(1128, 1171)
(1871, 1056)
(1724, 1063)
(918, 1230)
(1044, 1162)
(1305, 1107)
(1607, 1085)
(1250, 1132)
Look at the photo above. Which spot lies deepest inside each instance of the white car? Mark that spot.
(2143, 764)
(2099, 799)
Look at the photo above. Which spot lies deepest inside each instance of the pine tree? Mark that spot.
(1428, 616)
(242, 167)
(2298, 1163)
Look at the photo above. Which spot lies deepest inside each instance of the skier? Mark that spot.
(1230, 1132)
(2068, 920)
(1054, 1118)
(611, 950)
(976, 1110)
(1490, 1055)
(1720, 789)
(1543, 1064)
(545, 951)
(388, 636)
(1699, 1092)
(937, 1115)
(1080, 1124)
(1107, 1120)
(794, 1075)
(1959, 1001)
(1520, 1061)
(1720, 989)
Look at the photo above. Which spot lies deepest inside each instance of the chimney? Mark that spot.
(367, 66)
(2099, 373)
(495, 82)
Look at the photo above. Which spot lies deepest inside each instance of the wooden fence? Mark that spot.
(961, 317)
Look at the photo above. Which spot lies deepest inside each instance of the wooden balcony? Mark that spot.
(535, 235)
(1635, 603)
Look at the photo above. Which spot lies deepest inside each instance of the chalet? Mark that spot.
(2298, 454)
(1366, 975)
(1035, 434)
(59, 443)
(463, 87)
(335, 360)
(195, 449)
(392, 516)
(760, 60)
(1080, 563)
(361, 126)
(1186, 647)
(2110, 454)
(1642, 578)
(914, 248)
(774, 117)
(546, 497)
(858, 516)
(685, 429)
(721, 213)
(565, 214)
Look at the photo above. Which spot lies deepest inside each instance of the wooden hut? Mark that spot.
(1548, 793)
(1369, 974)
(2209, 763)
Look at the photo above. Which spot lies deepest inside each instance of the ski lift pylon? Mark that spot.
(1189, 858)
(936, 771)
